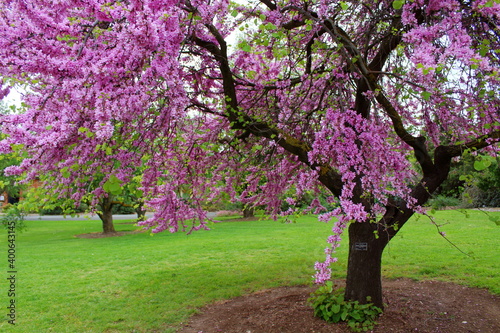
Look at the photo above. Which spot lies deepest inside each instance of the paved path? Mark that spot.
(81, 217)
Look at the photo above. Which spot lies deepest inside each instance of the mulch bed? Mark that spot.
(426, 306)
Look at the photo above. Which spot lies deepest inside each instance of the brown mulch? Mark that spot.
(426, 306)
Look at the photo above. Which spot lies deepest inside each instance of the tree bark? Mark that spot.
(106, 215)
(368, 240)
(363, 282)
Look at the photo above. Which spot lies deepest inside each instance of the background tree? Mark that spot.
(53, 196)
(342, 94)
(9, 184)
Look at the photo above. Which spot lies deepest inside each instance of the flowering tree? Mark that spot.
(54, 194)
(299, 94)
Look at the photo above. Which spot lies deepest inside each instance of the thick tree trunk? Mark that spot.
(364, 264)
(368, 240)
(107, 222)
(106, 216)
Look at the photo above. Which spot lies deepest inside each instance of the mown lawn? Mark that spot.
(143, 283)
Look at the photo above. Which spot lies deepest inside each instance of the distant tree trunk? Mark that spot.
(248, 211)
(106, 215)
(140, 211)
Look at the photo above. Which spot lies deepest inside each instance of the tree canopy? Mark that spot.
(296, 95)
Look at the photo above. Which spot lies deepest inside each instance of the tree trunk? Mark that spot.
(364, 264)
(368, 240)
(106, 215)
(140, 211)
(248, 212)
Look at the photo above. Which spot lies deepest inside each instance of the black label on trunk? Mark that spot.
(360, 246)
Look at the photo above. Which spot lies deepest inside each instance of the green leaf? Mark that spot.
(244, 46)
(426, 95)
(65, 173)
(251, 74)
(398, 4)
(344, 5)
(258, 147)
(17, 147)
(482, 164)
(113, 185)
(463, 178)
(270, 26)
(355, 315)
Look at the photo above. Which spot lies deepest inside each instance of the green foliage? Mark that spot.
(398, 4)
(329, 305)
(60, 207)
(473, 179)
(483, 188)
(123, 209)
(10, 184)
(475, 197)
(39, 200)
(13, 216)
(490, 179)
(113, 185)
(483, 162)
(441, 201)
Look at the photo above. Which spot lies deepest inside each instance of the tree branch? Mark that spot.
(480, 142)
(269, 4)
(417, 143)
(241, 120)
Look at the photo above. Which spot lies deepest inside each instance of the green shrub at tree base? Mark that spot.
(329, 305)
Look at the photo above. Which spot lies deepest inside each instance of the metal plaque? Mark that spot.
(360, 246)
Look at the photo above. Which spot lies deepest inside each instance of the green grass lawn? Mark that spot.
(143, 283)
